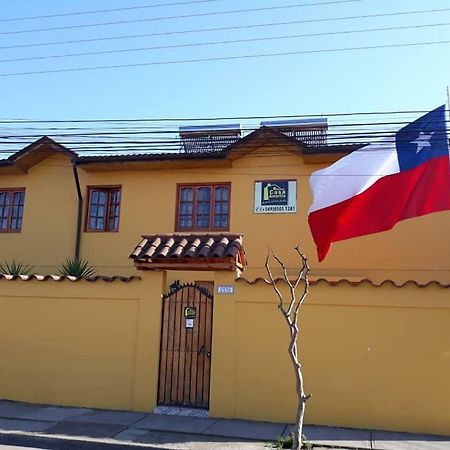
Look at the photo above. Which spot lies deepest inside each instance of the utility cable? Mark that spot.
(183, 16)
(228, 58)
(351, 132)
(216, 118)
(237, 27)
(229, 41)
(98, 11)
(177, 145)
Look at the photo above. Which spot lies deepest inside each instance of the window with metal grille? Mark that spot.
(103, 208)
(11, 209)
(203, 207)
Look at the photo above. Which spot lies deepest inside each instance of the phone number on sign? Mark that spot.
(275, 209)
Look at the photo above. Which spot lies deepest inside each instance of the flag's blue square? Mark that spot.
(422, 140)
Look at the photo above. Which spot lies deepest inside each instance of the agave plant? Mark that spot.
(76, 267)
(16, 268)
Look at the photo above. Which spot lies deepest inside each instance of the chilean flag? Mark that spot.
(370, 190)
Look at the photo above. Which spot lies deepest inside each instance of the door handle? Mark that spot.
(208, 354)
(202, 349)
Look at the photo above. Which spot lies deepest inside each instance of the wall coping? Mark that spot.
(92, 279)
(355, 282)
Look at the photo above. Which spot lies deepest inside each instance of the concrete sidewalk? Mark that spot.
(81, 428)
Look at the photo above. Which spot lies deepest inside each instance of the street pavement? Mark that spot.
(67, 428)
(10, 447)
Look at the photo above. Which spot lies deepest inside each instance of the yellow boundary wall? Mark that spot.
(81, 343)
(374, 357)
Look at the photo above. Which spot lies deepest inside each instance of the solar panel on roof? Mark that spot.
(312, 132)
(209, 138)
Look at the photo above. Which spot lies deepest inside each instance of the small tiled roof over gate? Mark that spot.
(190, 252)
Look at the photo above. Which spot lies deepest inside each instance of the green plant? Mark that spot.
(287, 441)
(76, 267)
(284, 441)
(16, 268)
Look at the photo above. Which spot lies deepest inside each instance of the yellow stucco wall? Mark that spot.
(415, 249)
(49, 219)
(93, 344)
(373, 357)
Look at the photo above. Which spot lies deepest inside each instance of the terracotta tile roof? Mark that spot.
(202, 249)
(69, 278)
(188, 246)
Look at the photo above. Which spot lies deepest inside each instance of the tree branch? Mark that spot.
(291, 316)
(274, 285)
(285, 274)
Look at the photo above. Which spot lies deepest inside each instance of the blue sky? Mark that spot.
(409, 78)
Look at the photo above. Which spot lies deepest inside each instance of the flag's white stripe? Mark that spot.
(354, 173)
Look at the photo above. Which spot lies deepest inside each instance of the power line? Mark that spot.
(365, 131)
(147, 149)
(228, 58)
(237, 27)
(98, 11)
(114, 140)
(229, 41)
(183, 16)
(176, 144)
(205, 119)
(110, 131)
(127, 154)
(10, 139)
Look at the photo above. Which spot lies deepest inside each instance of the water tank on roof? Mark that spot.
(312, 132)
(209, 138)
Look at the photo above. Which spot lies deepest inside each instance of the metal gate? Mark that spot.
(185, 357)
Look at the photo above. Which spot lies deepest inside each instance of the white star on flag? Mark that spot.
(423, 140)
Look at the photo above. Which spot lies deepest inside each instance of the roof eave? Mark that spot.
(20, 162)
(198, 264)
(34, 153)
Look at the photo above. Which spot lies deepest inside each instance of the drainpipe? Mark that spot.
(80, 209)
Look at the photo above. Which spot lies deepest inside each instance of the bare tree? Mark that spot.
(291, 308)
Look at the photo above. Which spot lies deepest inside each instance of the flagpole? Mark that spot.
(448, 99)
(448, 113)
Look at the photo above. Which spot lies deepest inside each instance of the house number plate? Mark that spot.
(225, 289)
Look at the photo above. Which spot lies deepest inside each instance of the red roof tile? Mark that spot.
(184, 248)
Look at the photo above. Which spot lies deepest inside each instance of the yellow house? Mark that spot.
(198, 226)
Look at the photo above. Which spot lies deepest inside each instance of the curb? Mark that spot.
(63, 442)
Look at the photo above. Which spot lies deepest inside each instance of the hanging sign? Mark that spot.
(189, 323)
(190, 312)
(275, 197)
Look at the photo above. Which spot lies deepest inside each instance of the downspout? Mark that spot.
(80, 209)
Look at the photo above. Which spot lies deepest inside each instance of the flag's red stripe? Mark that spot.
(393, 198)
